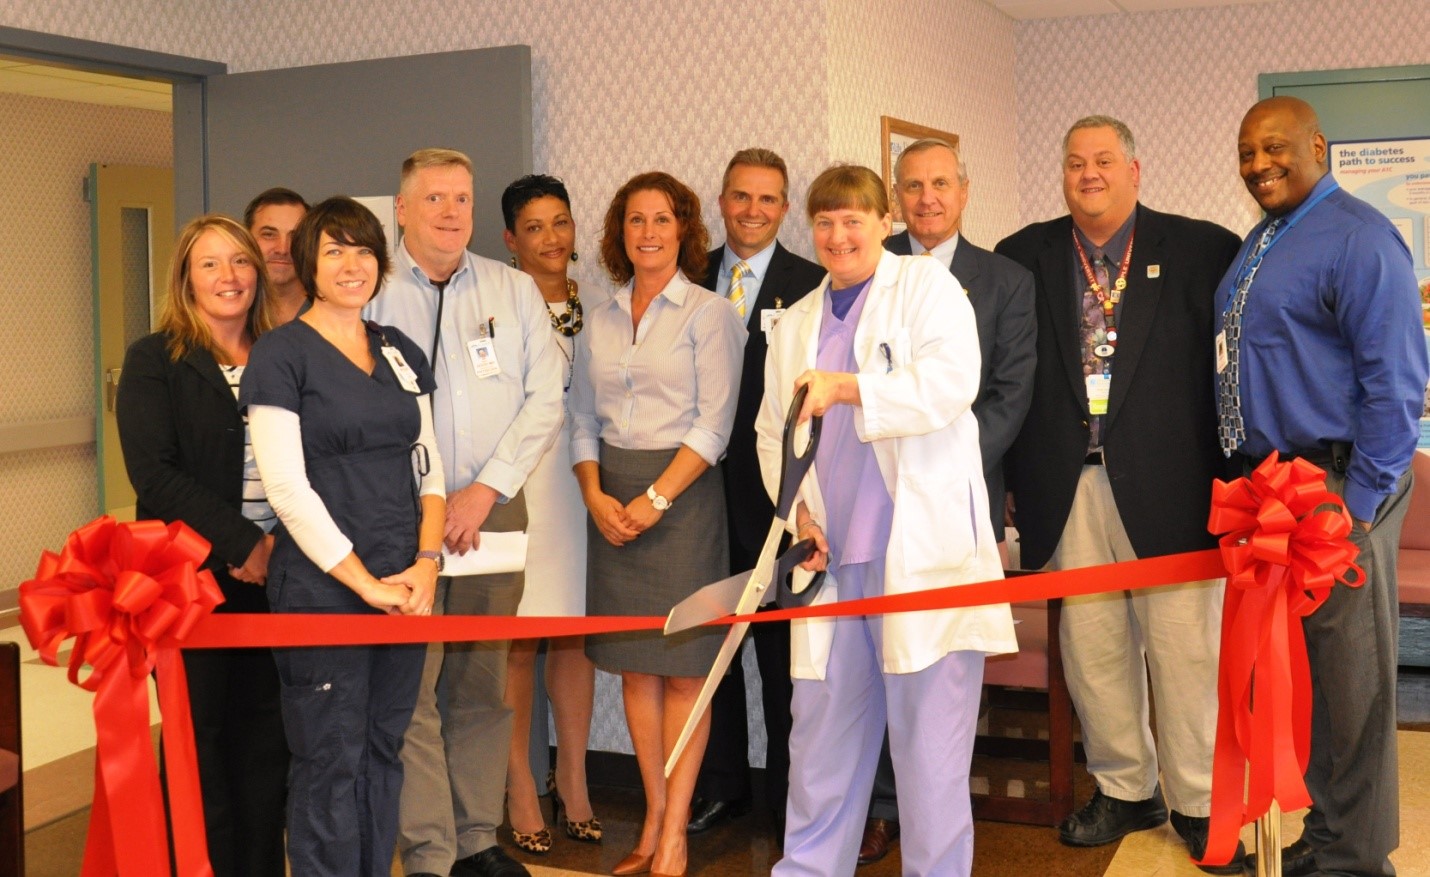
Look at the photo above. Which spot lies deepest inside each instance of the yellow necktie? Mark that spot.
(737, 286)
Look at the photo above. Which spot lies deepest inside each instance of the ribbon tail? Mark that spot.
(129, 777)
(1228, 757)
(99, 858)
(186, 805)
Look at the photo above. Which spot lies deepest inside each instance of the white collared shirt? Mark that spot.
(942, 252)
(754, 278)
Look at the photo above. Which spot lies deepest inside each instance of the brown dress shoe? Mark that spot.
(879, 836)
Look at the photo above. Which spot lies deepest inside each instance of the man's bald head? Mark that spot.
(1282, 153)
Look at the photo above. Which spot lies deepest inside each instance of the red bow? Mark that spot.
(129, 594)
(1285, 547)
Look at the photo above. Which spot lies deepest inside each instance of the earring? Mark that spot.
(574, 255)
(513, 261)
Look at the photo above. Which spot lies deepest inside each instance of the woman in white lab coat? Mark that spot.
(896, 503)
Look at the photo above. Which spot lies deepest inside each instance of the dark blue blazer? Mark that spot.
(1159, 435)
(789, 279)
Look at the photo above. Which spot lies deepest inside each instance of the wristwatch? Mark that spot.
(659, 502)
(434, 556)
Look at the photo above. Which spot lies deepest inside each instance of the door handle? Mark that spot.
(111, 387)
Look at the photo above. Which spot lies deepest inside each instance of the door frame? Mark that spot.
(187, 76)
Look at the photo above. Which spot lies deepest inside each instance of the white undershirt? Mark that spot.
(277, 435)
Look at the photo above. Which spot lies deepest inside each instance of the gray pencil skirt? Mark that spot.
(686, 550)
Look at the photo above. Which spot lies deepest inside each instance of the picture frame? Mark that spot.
(894, 135)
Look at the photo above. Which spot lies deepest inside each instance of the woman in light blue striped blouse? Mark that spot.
(652, 406)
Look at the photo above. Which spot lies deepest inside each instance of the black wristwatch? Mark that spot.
(434, 556)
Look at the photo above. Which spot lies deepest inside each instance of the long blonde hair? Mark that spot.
(179, 317)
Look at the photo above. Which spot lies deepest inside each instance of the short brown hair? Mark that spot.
(277, 195)
(432, 157)
(345, 221)
(179, 317)
(757, 156)
(847, 187)
(684, 203)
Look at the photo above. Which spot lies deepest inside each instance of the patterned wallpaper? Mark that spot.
(1182, 81)
(46, 147)
(616, 90)
(947, 64)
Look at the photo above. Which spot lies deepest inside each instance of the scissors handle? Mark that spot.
(785, 596)
(795, 465)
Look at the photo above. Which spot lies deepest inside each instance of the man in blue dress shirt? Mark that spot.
(1321, 354)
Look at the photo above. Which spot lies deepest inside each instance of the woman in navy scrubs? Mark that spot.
(340, 412)
(185, 448)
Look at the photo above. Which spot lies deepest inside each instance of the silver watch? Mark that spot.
(659, 502)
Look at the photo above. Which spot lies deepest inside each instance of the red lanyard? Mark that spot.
(1109, 302)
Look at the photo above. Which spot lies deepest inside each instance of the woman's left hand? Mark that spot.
(642, 514)
(421, 579)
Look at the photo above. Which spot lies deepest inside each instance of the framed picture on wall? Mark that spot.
(894, 135)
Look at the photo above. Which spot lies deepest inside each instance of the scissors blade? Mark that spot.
(715, 600)
(737, 594)
(728, 650)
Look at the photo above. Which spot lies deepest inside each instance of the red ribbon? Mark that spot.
(1285, 546)
(129, 594)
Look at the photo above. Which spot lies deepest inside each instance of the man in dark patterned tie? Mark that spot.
(1325, 359)
(1115, 461)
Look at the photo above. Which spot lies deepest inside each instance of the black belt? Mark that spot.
(1093, 459)
(1335, 458)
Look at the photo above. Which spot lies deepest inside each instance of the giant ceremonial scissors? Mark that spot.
(740, 594)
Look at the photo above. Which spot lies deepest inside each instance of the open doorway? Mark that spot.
(58, 121)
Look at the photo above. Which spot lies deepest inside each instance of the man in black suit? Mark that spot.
(760, 278)
(1115, 461)
(931, 185)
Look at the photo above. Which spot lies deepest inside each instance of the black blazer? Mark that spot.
(182, 438)
(1001, 292)
(748, 507)
(1159, 435)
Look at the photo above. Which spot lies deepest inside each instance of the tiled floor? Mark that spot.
(59, 736)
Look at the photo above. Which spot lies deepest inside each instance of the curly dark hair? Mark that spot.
(528, 189)
(684, 203)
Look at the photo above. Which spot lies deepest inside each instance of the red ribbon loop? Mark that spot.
(128, 594)
(1285, 545)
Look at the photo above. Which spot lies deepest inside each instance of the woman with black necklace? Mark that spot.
(541, 236)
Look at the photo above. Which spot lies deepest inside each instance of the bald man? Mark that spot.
(1321, 355)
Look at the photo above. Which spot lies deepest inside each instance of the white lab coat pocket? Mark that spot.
(934, 524)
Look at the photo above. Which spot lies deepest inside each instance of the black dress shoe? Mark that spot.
(1104, 820)
(1193, 830)
(706, 814)
(490, 862)
(1297, 860)
(879, 837)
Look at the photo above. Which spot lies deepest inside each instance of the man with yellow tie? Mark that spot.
(761, 279)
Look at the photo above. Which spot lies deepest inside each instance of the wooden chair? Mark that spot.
(1038, 665)
(12, 786)
(1413, 569)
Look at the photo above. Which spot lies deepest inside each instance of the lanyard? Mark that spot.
(1247, 272)
(1108, 300)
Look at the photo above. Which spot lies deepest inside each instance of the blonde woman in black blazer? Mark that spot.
(184, 448)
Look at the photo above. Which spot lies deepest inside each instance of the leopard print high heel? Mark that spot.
(587, 831)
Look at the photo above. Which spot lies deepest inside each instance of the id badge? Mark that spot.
(769, 318)
(1098, 389)
(484, 357)
(405, 375)
(1221, 355)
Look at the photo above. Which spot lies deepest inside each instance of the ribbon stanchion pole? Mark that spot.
(1268, 842)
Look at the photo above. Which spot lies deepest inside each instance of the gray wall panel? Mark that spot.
(345, 128)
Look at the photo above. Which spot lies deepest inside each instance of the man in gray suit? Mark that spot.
(931, 186)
